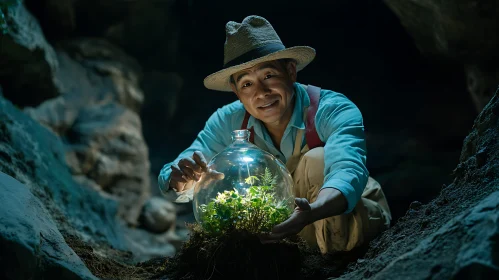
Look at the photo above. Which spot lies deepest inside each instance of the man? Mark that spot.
(338, 206)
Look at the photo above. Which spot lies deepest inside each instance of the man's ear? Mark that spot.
(291, 68)
(233, 87)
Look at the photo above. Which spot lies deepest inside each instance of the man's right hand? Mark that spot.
(190, 170)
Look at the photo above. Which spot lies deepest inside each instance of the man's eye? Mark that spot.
(268, 76)
(246, 85)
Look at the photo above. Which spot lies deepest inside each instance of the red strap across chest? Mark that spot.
(313, 140)
(245, 126)
(311, 135)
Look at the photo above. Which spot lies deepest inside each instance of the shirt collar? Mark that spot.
(302, 101)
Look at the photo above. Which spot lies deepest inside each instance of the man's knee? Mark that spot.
(311, 166)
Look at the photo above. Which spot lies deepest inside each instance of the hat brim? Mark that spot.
(221, 80)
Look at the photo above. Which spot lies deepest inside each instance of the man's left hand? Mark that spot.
(329, 202)
(300, 218)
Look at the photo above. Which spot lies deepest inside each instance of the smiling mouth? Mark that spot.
(268, 104)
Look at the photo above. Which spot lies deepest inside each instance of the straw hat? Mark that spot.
(252, 42)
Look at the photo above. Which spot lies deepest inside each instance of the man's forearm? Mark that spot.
(329, 202)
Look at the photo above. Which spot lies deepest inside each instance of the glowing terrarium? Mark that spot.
(254, 194)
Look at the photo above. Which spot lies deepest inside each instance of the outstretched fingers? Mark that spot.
(190, 168)
(200, 160)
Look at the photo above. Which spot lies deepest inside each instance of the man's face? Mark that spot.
(266, 90)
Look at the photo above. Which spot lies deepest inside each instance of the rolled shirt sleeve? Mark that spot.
(340, 126)
(215, 136)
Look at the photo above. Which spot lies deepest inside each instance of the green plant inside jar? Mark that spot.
(255, 211)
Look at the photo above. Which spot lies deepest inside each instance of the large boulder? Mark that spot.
(105, 144)
(31, 245)
(97, 116)
(35, 156)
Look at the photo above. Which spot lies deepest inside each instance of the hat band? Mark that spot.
(255, 53)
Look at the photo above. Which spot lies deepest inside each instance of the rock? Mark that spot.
(110, 150)
(79, 206)
(464, 248)
(57, 114)
(158, 215)
(35, 157)
(89, 183)
(31, 245)
(115, 75)
(91, 71)
(146, 246)
(98, 117)
(28, 61)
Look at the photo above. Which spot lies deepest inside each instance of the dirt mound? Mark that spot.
(107, 263)
(241, 255)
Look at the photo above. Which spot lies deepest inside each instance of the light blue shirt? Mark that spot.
(339, 125)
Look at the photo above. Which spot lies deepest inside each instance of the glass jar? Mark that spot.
(254, 193)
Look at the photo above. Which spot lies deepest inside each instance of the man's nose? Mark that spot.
(262, 89)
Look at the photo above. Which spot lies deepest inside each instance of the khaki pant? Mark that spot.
(344, 232)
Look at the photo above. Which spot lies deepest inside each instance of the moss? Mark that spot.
(256, 211)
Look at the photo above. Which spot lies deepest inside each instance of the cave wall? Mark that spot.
(85, 92)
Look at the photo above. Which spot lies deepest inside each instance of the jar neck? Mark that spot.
(241, 135)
